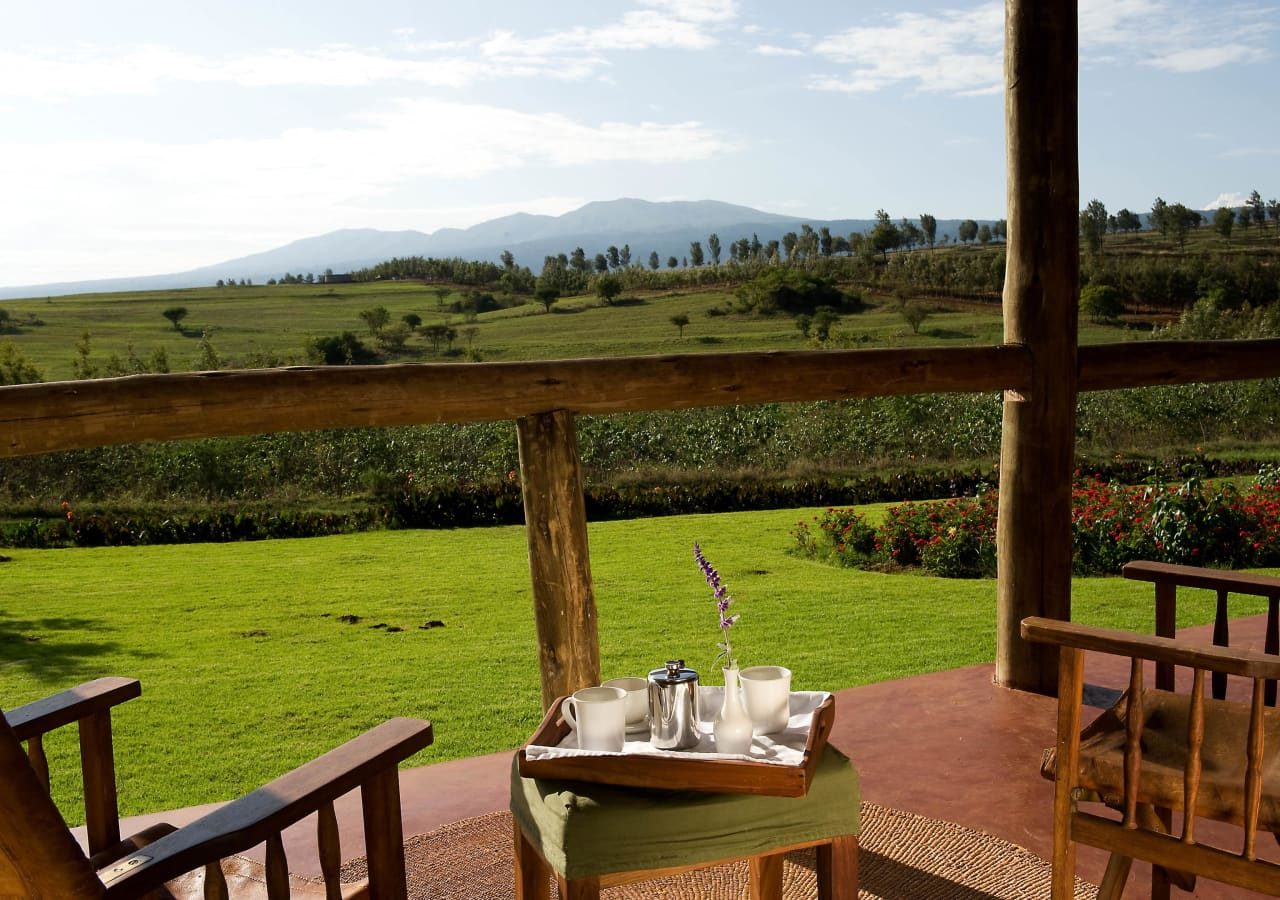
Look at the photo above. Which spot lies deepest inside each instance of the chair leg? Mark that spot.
(579, 889)
(533, 875)
(766, 876)
(838, 869)
(1114, 878)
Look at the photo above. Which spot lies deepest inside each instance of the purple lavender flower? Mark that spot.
(723, 602)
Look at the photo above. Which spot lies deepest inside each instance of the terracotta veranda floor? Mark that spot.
(948, 745)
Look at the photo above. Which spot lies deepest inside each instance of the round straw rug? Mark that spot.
(902, 857)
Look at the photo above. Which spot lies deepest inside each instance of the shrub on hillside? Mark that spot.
(339, 350)
(780, 289)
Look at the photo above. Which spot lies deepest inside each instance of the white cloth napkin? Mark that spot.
(786, 748)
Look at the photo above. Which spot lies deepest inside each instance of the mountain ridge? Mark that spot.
(664, 227)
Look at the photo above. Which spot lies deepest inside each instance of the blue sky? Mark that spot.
(144, 137)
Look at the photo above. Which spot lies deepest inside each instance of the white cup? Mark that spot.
(767, 690)
(597, 716)
(637, 690)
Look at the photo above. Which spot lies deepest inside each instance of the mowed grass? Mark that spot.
(247, 324)
(248, 671)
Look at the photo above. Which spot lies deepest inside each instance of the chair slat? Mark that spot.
(277, 869)
(1166, 626)
(1195, 739)
(330, 847)
(1253, 774)
(215, 883)
(1221, 638)
(97, 762)
(1133, 745)
(1272, 644)
(1070, 688)
(39, 762)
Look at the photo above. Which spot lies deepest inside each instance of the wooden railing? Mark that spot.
(543, 398)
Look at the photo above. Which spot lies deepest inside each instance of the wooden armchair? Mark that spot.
(1159, 750)
(40, 858)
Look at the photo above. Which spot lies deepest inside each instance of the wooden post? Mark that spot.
(1040, 298)
(555, 518)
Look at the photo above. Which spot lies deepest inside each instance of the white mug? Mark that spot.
(767, 690)
(597, 716)
(637, 704)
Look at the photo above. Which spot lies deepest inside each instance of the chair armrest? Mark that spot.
(43, 716)
(1197, 577)
(257, 816)
(1246, 663)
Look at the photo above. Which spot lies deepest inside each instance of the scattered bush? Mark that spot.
(1192, 523)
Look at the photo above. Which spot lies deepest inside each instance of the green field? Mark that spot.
(247, 670)
(247, 325)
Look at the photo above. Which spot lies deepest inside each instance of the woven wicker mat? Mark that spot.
(902, 857)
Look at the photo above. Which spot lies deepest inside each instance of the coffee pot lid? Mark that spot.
(673, 673)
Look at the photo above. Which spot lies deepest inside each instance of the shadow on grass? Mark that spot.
(947, 333)
(29, 644)
(629, 301)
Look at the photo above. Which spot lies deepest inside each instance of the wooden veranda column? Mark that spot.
(1040, 299)
(556, 522)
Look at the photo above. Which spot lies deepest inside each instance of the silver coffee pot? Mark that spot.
(673, 707)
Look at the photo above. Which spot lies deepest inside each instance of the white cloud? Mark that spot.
(126, 199)
(1233, 199)
(1201, 59)
(771, 50)
(575, 53)
(954, 51)
(961, 50)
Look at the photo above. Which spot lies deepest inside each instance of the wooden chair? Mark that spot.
(40, 858)
(1159, 750)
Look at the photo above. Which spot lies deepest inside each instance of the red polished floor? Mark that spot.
(949, 745)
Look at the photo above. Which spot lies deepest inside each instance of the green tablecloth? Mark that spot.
(586, 829)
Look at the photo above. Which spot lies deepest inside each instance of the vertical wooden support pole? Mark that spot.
(555, 518)
(1040, 297)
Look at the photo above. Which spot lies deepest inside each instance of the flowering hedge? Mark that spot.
(1192, 522)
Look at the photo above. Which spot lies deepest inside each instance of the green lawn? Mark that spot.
(247, 670)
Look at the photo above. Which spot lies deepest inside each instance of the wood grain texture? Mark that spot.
(40, 418)
(1195, 741)
(39, 760)
(1246, 663)
(1197, 577)
(555, 515)
(1037, 447)
(837, 866)
(764, 875)
(1070, 689)
(97, 764)
(1171, 853)
(1253, 772)
(38, 855)
(329, 849)
(277, 869)
(384, 834)
(1133, 721)
(1148, 363)
(253, 818)
(44, 715)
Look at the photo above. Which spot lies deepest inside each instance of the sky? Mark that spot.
(147, 137)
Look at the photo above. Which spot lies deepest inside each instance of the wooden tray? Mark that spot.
(714, 774)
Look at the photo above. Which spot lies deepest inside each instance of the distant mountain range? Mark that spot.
(667, 228)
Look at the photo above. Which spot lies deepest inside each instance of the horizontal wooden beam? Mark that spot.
(42, 418)
(1149, 363)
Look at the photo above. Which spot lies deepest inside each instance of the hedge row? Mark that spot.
(409, 504)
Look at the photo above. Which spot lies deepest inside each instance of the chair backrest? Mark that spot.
(38, 855)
